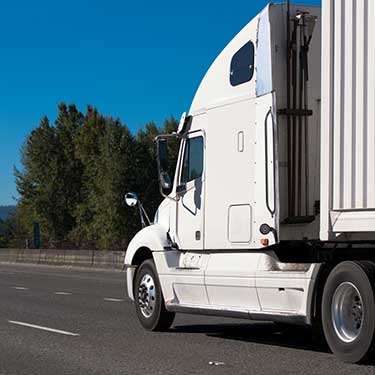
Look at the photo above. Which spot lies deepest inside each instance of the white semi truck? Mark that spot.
(271, 212)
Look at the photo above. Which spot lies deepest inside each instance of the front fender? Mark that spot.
(154, 237)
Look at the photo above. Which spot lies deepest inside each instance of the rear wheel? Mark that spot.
(149, 300)
(348, 311)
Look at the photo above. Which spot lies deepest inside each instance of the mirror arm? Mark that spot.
(180, 190)
(143, 214)
(165, 195)
(132, 200)
(166, 136)
(143, 223)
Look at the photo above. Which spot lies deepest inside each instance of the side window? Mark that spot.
(192, 167)
(242, 65)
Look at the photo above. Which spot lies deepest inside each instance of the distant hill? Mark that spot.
(5, 211)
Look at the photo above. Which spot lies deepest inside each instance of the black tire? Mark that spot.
(348, 311)
(152, 314)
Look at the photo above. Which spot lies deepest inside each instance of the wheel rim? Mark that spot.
(347, 312)
(146, 295)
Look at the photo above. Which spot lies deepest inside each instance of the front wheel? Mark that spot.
(348, 311)
(149, 300)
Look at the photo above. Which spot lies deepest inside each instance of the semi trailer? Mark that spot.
(270, 214)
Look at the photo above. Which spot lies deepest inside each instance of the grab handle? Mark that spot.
(271, 210)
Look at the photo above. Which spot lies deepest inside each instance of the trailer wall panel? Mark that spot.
(348, 101)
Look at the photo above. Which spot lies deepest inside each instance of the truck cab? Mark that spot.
(237, 233)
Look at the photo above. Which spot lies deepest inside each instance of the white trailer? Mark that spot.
(270, 214)
(348, 132)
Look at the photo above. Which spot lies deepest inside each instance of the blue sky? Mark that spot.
(137, 60)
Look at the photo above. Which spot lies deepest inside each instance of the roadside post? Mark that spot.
(36, 231)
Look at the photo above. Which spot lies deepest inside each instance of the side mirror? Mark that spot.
(131, 199)
(162, 150)
(165, 180)
(163, 164)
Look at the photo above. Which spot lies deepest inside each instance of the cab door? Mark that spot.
(190, 192)
(187, 229)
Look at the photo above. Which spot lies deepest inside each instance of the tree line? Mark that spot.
(7, 230)
(75, 173)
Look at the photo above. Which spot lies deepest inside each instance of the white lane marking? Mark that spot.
(43, 328)
(113, 299)
(20, 288)
(63, 293)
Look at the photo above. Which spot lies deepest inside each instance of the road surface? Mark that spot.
(63, 321)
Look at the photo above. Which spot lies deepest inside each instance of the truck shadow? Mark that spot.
(263, 333)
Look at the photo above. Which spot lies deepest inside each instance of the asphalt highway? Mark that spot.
(64, 321)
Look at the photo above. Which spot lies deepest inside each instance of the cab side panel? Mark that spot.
(230, 179)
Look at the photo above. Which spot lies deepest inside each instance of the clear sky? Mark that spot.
(137, 60)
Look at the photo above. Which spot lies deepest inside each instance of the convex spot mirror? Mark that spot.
(131, 199)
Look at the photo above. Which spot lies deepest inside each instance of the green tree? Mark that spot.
(75, 175)
(49, 183)
(39, 182)
(114, 179)
(8, 230)
(67, 125)
(105, 148)
(87, 149)
(3, 237)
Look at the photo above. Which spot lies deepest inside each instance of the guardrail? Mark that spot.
(77, 258)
